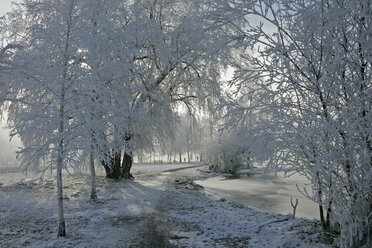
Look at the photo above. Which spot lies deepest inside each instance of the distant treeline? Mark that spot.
(8, 169)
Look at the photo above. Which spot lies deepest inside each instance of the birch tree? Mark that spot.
(40, 92)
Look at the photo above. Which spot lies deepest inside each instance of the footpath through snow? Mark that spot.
(163, 207)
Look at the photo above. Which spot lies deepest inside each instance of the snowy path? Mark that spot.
(161, 208)
(28, 214)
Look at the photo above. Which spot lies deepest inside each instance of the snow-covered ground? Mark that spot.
(162, 207)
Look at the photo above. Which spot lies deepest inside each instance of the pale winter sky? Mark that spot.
(5, 5)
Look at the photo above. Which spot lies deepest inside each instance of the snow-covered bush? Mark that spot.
(224, 158)
(236, 149)
(223, 154)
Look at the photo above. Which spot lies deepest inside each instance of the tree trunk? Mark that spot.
(127, 165)
(188, 148)
(61, 217)
(93, 192)
(322, 219)
(112, 168)
(107, 168)
(180, 157)
(106, 159)
(116, 171)
(321, 209)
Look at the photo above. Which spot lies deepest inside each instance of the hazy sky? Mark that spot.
(5, 5)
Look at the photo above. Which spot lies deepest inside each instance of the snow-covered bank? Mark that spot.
(163, 209)
(199, 220)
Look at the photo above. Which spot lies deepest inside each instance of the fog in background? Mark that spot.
(6, 5)
(7, 148)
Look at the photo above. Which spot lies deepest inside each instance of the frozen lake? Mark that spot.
(268, 193)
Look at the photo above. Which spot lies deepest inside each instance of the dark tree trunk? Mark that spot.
(180, 157)
(321, 210)
(112, 168)
(322, 219)
(116, 173)
(328, 218)
(93, 192)
(107, 161)
(127, 165)
(107, 168)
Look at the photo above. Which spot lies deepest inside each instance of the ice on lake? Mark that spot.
(264, 192)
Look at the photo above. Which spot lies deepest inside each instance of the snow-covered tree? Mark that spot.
(98, 79)
(8, 45)
(5, 54)
(308, 66)
(162, 57)
(41, 91)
